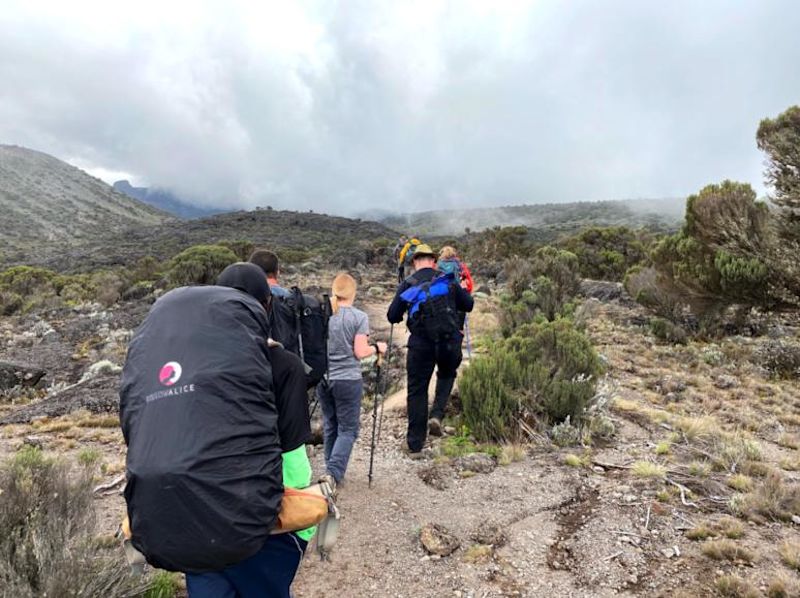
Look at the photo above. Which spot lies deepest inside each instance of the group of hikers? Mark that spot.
(214, 411)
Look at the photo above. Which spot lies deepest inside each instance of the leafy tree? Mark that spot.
(779, 138)
(720, 257)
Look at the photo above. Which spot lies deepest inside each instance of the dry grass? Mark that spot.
(576, 461)
(733, 586)
(113, 468)
(99, 421)
(647, 469)
(790, 463)
(782, 586)
(663, 447)
(727, 550)
(477, 553)
(740, 482)
(730, 528)
(699, 469)
(727, 526)
(771, 500)
(511, 453)
(790, 554)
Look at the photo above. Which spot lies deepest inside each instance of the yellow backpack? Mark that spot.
(407, 253)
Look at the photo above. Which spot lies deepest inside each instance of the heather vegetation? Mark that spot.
(48, 545)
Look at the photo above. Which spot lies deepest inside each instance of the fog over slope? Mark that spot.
(44, 201)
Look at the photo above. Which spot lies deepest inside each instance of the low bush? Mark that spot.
(47, 534)
(607, 253)
(667, 331)
(545, 372)
(779, 358)
(200, 264)
(242, 248)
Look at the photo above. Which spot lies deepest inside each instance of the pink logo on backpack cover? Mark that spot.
(170, 373)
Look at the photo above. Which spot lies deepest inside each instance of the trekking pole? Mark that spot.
(388, 354)
(469, 341)
(375, 416)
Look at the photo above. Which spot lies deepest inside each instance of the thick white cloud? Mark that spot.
(344, 106)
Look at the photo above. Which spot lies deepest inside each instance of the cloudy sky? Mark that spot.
(352, 105)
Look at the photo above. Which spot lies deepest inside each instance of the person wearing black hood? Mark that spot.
(206, 462)
(294, 429)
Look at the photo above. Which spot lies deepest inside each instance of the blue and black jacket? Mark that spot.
(459, 299)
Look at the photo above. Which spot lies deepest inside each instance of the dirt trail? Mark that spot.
(379, 552)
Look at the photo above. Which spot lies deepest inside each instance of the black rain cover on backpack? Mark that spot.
(309, 316)
(198, 414)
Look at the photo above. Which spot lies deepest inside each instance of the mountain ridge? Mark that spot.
(48, 204)
(165, 200)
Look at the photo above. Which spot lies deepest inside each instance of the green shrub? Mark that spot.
(542, 285)
(23, 288)
(240, 247)
(26, 280)
(647, 287)
(146, 269)
(9, 302)
(562, 367)
(489, 401)
(667, 331)
(607, 253)
(107, 286)
(294, 256)
(497, 244)
(779, 358)
(47, 534)
(200, 264)
(544, 372)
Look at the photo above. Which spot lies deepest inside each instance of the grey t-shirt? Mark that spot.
(343, 327)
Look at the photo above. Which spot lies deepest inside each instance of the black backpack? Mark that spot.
(431, 311)
(199, 416)
(300, 323)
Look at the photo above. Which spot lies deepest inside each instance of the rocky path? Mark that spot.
(379, 551)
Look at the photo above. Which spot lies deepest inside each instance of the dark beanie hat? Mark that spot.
(247, 278)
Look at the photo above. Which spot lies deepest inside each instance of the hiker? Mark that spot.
(396, 255)
(405, 258)
(298, 321)
(433, 303)
(340, 397)
(450, 262)
(215, 418)
(268, 262)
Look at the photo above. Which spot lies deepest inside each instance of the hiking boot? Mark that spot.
(413, 455)
(434, 426)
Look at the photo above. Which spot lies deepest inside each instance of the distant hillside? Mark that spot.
(549, 220)
(305, 232)
(48, 205)
(164, 200)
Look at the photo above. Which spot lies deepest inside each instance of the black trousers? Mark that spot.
(420, 362)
